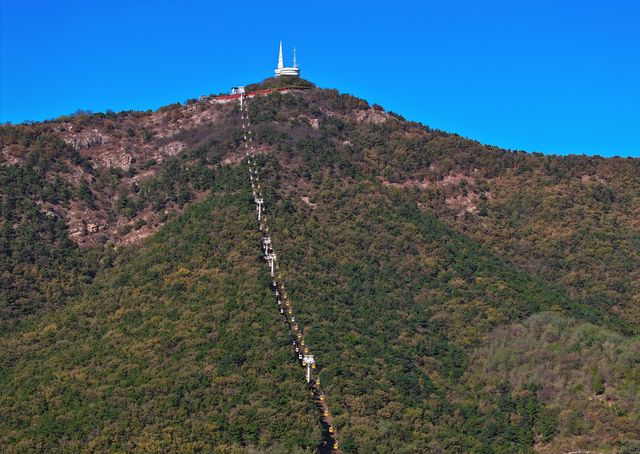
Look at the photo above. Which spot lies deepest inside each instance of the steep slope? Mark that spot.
(177, 348)
(39, 264)
(393, 301)
(413, 256)
(554, 217)
(170, 348)
(63, 185)
(175, 337)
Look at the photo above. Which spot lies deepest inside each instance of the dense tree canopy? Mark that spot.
(459, 298)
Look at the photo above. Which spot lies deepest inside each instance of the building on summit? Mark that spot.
(282, 70)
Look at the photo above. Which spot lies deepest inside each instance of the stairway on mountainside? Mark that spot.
(329, 442)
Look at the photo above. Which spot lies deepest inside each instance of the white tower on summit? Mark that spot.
(282, 70)
(280, 59)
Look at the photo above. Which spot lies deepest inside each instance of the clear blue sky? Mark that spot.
(551, 76)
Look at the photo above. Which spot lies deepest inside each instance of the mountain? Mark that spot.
(458, 297)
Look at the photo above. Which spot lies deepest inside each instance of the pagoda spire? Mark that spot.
(295, 62)
(280, 61)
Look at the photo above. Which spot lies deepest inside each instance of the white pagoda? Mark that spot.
(282, 70)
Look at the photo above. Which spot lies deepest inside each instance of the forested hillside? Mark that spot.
(176, 348)
(459, 297)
